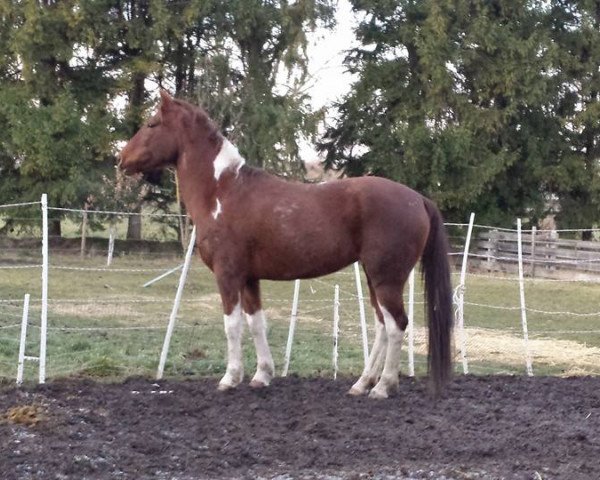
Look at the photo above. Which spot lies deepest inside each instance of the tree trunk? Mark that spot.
(54, 228)
(137, 96)
(134, 226)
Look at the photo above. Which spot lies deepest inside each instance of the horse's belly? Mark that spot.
(295, 260)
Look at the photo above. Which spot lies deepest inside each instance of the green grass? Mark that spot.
(103, 323)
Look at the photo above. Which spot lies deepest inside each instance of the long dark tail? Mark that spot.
(438, 291)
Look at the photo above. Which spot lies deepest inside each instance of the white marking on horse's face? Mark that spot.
(228, 157)
(218, 209)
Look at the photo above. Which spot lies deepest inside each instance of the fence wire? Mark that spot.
(102, 321)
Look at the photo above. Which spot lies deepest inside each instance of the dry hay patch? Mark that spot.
(210, 301)
(27, 415)
(96, 310)
(486, 345)
(494, 345)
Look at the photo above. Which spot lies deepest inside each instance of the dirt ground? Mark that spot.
(484, 428)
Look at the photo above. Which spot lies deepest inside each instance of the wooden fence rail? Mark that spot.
(544, 254)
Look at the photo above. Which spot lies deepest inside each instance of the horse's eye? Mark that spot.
(152, 123)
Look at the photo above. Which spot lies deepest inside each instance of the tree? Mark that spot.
(261, 43)
(466, 101)
(77, 76)
(58, 132)
(574, 173)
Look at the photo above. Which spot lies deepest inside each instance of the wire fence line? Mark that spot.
(117, 213)
(573, 261)
(97, 331)
(14, 205)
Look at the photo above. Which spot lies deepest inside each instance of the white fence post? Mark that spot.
(532, 269)
(460, 306)
(44, 314)
(177, 301)
(111, 245)
(22, 339)
(522, 298)
(336, 327)
(293, 319)
(361, 310)
(411, 324)
(84, 228)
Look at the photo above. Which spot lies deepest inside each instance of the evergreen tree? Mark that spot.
(468, 102)
(260, 43)
(574, 171)
(76, 76)
(57, 129)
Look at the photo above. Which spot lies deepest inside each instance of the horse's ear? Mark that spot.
(166, 100)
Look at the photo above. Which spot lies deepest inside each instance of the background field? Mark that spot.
(104, 323)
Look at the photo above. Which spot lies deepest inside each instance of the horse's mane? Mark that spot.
(202, 118)
(250, 171)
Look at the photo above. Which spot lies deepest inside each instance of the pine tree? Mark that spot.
(473, 103)
(58, 131)
(260, 43)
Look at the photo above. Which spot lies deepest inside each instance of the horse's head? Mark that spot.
(156, 144)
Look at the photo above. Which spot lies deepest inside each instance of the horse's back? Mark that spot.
(376, 208)
(383, 200)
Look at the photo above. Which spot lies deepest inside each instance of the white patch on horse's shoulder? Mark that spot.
(218, 209)
(228, 157)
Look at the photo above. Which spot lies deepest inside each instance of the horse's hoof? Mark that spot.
(224, 387)
(227, 384)
(258, 384)
(378, 394)
(383, 390)
(357, 392)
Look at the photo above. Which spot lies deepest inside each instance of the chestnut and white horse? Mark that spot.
(252, 225)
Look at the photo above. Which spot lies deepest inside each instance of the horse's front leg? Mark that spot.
(257, 324)
(234, 328)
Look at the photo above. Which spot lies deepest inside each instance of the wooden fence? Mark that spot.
(545, 255)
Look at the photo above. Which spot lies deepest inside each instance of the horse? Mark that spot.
(253, 225)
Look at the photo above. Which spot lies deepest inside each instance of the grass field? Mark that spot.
(103, 323)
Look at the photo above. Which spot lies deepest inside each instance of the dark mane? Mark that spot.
(201, 117)
(253, 172)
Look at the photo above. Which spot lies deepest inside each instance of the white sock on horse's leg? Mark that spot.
(265, 368)
(234, 328)
(374, 364)
(388, 383)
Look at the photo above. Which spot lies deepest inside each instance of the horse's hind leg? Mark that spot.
(372, 369)
(257, 324)
(395, 321)
(374, 364)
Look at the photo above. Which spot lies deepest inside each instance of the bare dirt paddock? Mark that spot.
(485, 427)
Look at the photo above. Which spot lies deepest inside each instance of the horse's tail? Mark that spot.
(438, 291)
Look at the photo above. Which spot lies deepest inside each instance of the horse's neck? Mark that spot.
(202, 180)
(197, 187)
